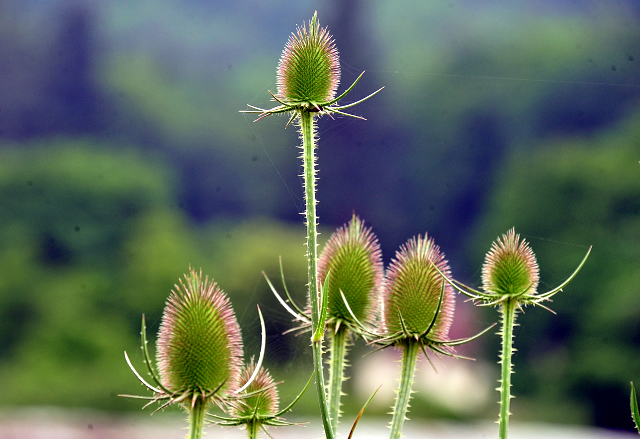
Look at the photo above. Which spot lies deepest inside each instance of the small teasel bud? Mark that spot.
(352, 260)
(510, 267)
(309, 69)
(413, 288)
(199, 342)
(263, 402)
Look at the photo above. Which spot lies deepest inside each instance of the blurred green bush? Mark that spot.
(91, 237)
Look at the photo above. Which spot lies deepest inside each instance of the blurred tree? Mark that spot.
(50, 73)
(90, 238)
(66, 211)
(72, 80)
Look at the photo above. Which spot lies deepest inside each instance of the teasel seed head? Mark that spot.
(510, 268)
(412, 291)
(263, 402)
(199, 346)
(309, 68)
(352, 260)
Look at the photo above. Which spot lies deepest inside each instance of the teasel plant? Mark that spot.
(510, 277)
(351, 269)
(257, 405)
(635, 414)
(416, 312)
(198, 352)
(308, 76)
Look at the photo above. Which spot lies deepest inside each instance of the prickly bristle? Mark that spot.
(510, 267)
(265, 402)
(353, 260)
(412, 290)
(199, 342)
(309, 68)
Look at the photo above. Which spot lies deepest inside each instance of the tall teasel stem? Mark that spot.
(409, 360)
(307, 78)
(338, 349)
(307, 131)
(252, 430)
(508, 310)
(196, 419)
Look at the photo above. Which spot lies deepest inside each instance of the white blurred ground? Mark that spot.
(57, 424)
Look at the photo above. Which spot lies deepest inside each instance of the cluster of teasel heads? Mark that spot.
(409, 306)
(200, 363)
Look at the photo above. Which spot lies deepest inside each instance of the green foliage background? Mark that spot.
(91, 239)
(124, 160)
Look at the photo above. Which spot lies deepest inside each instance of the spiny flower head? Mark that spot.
(510, 268)
(352, 261)
(199, 346)
(256, 405)
(308, 76)
(510, 273)
(417, 301)
(262, 400)
(309, 69)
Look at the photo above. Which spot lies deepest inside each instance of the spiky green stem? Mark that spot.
(307, 131)
(252, 430)
(338, 348)
(410, 352)
(508, 310)
(196, 419)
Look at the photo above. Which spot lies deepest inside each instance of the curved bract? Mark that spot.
(635, 413)
(511, 273)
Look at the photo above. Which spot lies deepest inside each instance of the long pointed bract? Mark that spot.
(634, 408)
